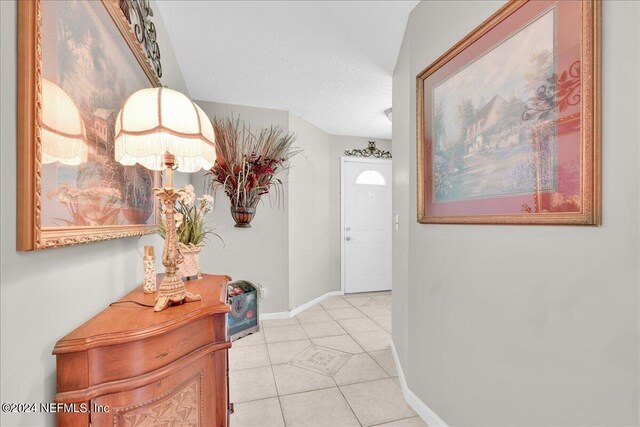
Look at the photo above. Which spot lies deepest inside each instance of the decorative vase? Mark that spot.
(243, 216)
(149, 267)
(190, 266)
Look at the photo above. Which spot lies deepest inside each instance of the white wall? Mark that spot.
(46, 294)
(514, 325)
(259, 253)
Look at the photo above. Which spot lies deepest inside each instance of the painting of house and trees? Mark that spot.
(482, 124)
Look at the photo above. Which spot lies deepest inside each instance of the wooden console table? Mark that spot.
(131, 366)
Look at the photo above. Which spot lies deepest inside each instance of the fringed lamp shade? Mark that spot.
(156, 121)
(160, 128)
(63, 133)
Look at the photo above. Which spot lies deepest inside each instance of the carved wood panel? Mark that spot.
(181, 406)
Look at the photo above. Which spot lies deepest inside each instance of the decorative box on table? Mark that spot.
(243, 318)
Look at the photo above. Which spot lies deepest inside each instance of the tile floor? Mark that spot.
(329, 366)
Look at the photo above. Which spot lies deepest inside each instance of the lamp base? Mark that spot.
(173, 291)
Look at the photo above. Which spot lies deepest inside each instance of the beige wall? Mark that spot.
(513, 325)
(311, 270)
(295, 250)
(46, 294)
(259, 253)
(171, 73)
(314, 216)
(401, 196)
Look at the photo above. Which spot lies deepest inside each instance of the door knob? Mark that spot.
(347, 238)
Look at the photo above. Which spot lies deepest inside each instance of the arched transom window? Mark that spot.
(370, 177)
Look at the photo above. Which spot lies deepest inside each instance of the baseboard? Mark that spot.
(421, 408)
(278, 315)
(304, 306)
(300, 308)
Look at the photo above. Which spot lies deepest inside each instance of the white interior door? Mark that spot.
(366, 224)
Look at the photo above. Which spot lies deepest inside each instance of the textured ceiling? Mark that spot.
(329, 62)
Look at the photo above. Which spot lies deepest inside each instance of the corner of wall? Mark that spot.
(172, 73)
(542, 330)
(310, 257)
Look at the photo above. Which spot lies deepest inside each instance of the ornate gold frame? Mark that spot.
(590, 126)
(30, 235)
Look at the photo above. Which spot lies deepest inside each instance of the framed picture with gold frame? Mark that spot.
(78, 61)
(508, 120)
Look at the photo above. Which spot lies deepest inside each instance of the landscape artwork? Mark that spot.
(482, 143)
(98, 73)
(501, 121)
(88, 69)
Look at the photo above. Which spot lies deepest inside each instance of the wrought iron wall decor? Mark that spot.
(370, 151)
(138, 14)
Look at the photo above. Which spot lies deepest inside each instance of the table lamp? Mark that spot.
(162, 129)
(63, 133)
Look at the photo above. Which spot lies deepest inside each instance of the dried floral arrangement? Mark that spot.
(247, 163)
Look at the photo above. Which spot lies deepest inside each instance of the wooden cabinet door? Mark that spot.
(185, 398)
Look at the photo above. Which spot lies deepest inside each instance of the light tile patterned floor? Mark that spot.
(329, 366)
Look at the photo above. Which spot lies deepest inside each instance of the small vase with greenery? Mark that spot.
(191, 229)
(247, 164)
